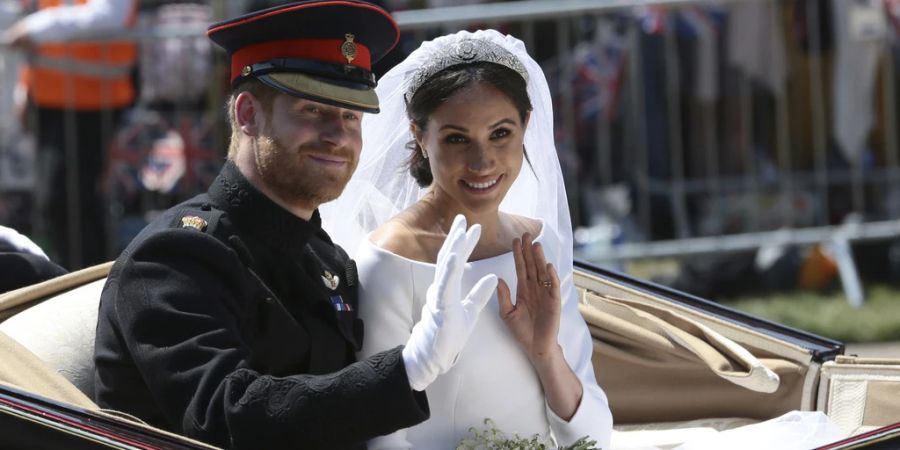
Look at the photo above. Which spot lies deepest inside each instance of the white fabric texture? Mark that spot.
(68, 21)
(795, 430)
(447, 318)
(493, 377)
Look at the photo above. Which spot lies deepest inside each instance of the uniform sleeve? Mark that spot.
(67, 21)
(386, 306)
(178, 303)
(593, 417)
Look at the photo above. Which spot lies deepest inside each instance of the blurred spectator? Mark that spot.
(75, 91)
(772, 268)
(22, 262)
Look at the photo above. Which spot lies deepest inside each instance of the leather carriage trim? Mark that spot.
(809, 397)
(118, 416)
(749, 373)
(27, 294)
(748, 337)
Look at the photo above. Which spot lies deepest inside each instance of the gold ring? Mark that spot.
(546, 284)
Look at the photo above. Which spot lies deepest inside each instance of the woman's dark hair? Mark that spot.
(444, 85)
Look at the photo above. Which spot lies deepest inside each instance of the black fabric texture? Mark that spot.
(217, 323)
(22, 269)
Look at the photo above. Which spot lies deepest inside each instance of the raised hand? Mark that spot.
(447, 318)
(534, 318)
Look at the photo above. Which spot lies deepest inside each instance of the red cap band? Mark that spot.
(326, 50)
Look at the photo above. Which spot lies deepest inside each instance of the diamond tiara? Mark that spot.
(468, 51)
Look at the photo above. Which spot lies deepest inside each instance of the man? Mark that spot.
(75, 91)
(22, 262)
(232, 317)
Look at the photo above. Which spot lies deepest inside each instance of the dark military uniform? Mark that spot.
(19, 269)
(230, 320)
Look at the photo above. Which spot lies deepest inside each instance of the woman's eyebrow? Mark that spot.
(502, 121)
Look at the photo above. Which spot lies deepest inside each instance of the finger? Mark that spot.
(504, 300)
(519, 258)
(554, 281)
(528, 253)
(479, 296)
(456, 232)
(540, 263)
(444, 278)
(470, 241)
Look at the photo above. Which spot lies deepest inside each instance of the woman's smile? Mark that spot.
(482, 186)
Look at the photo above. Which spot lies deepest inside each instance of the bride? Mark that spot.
(467, 128)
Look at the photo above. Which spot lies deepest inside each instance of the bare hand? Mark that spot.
(534, 319)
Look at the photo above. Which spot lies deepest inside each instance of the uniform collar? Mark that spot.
(257, 214)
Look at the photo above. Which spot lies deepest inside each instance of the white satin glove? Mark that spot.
(447, 318)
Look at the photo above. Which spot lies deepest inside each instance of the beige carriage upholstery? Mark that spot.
(24, 370)
(662, 362)
(57, 320)
(671, 373)
(860, 394)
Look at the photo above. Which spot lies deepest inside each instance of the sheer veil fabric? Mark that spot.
(382, 185)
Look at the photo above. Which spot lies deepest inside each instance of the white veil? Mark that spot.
(382, 186)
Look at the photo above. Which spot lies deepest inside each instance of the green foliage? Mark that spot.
(492, 438)
(830, 315)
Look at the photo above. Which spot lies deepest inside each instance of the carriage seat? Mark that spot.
(60, 331)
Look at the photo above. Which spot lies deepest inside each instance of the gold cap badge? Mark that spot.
(246, 71)
(193, 222)
(348, 48)
(331, 281)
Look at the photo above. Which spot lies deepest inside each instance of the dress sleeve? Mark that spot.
(593, 417)
(177, 302)
(387, 308)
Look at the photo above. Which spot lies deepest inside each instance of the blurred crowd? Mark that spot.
(704, 119)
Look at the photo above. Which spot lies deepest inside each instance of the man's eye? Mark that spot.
(351, 116)
(312, 109)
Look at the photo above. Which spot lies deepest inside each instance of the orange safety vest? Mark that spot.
(82, 75)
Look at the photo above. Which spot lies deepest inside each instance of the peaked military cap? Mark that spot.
(322, 50)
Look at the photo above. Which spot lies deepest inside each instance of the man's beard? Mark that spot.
(293, 178)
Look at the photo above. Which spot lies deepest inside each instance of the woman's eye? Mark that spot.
(500, 133)
(455, 139)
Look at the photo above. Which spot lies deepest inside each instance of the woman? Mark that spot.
(475, 103)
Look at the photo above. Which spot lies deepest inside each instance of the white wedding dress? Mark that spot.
(493, 378)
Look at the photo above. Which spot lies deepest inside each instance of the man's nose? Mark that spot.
(333, 130)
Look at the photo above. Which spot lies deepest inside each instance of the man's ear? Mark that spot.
(248, 113)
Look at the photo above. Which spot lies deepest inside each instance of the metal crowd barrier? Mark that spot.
(780, 164)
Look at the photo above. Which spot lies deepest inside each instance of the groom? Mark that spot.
(232, 317)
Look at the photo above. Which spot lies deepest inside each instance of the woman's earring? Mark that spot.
(424, 153)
